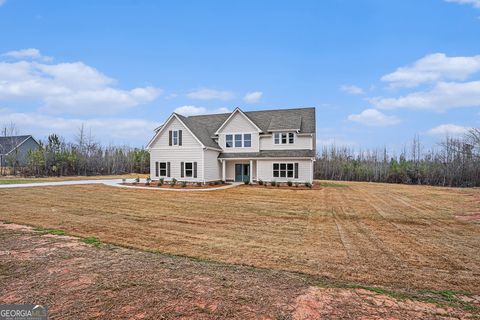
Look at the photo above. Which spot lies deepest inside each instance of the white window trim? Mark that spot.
(185, 170)
(242, 141)
(280, 138)
(160, 169)
(286, 170)
(175, 137)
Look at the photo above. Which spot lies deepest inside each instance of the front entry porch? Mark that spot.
(239, 170)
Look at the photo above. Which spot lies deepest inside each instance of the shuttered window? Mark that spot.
(163, 169)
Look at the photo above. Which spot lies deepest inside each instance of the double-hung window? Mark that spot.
(163, 169)
(175, 137)
(229, 141)
(238, 141)
(285, 170)
(188, 169)
(284, 138)
(247, 140)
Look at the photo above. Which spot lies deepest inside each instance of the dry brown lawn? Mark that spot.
(19, 180)
(408, 237)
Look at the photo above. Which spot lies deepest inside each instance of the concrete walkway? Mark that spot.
(108, 182)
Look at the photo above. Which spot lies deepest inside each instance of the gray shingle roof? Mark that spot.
(205, 126)
(9, 143)
(269, 154)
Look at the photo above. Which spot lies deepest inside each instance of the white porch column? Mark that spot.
(223, 169)
(251, 171)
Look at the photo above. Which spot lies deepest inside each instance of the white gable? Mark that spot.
(161, 140)
(238, 122)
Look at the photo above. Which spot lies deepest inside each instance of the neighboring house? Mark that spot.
(14, 149)
(265, 145)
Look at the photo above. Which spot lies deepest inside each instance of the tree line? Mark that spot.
(452, 162)
(84, 156)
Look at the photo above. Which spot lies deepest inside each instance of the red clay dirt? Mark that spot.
(79, 281)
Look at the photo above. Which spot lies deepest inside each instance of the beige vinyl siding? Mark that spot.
(188, 140)
(302, 142)
(239, 124)
(190, 151)
(213, 167)
(230, 169)
(305, 170)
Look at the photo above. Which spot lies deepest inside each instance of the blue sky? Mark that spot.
(378, 72)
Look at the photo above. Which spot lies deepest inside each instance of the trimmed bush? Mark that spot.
(147, 181)
(247, 182)
(260, 182)
(184, 184)
(137, 180)
(308, 185)
(173, 182)
(199, 184)
(273, 183)
(297, 184)
(289, 183)
(160, 182)
(124, 180)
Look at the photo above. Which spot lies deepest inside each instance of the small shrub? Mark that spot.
(247, 182)
(160, 182)
(173, 182)
(147, 181)
(216, 182)
(273, 183)
(199, 184)
(308, 185)
(211, 183)
(137, 179)
(124, 180)
(184, 184)
(260, 182)
(289, 183)
(223, 182)
(297, 184)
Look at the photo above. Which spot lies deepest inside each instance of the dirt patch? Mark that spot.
(377, 234)
(473, 217)
(175, 186)
(78, 281)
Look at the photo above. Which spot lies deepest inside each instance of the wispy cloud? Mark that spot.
(195, 111)
(71, 87)
(474, 3)
(30, 53)
(374, 118)
(448, 130)
(210, 94)
(351, 89)
(253, 97)
(433, 68)
(443, 96)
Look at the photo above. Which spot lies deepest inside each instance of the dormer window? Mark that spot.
(284, 138)
(175, 138)
(238, 140)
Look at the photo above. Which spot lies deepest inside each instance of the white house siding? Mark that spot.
(239, 124)
(190, 151)
(302, 142)
(212, 167)
(230, 169)
(305, 170)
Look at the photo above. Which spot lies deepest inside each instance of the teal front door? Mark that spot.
(242, 172)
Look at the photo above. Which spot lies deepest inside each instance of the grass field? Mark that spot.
(395, 236)
(19, 180)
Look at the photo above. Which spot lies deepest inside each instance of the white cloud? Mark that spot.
(115, 130)
(253, 97)
(351, 89)
(474, 3)
(443, 96)
(210, 94)
(30, 53)
(433, 68)
(448, 130)
(74, 88)
(195, 111)
(374, 118)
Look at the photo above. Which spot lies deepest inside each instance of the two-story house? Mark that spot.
(270, 145)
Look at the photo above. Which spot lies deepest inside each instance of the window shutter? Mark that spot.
(168, 169)
(182, 166)
(156, 169)
(170, 137)
(194, 169)
(296, 170)
(179, 137)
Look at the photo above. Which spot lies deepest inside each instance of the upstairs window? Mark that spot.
(238, 141)
(229, 141)
(175, 138)
(247, 140)
(284, 138)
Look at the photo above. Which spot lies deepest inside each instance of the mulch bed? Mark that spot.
(286, 187)
(175, 186)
